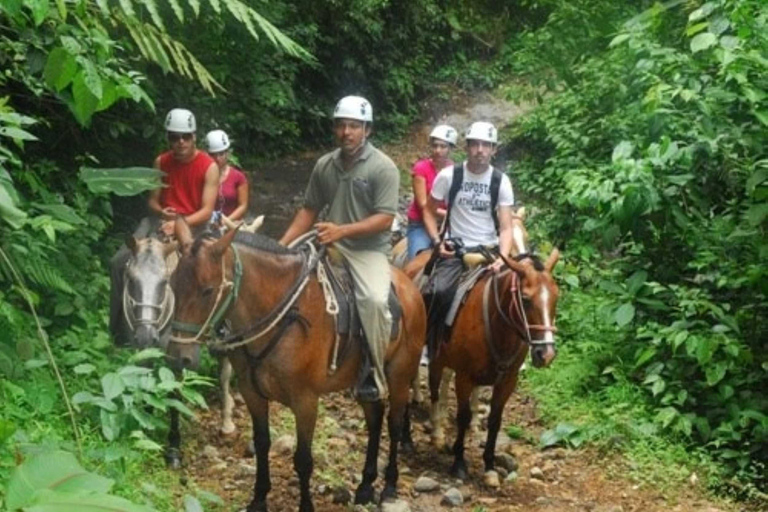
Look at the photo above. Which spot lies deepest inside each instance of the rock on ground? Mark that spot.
(452, 498)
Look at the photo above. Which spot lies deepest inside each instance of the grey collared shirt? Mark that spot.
(370, 186)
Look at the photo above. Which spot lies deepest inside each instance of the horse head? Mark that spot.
(147, 298)
(533, 300)
(200, 284)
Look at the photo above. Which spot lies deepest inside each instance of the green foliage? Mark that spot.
(653, 156)
(134, 400)
(55, 481)
(126, 181)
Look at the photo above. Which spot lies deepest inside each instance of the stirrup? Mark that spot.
(367, 391)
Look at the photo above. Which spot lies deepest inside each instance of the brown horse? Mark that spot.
(414, 270)
(504, 315)
(282, 345)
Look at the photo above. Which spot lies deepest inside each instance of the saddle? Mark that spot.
(348, 324)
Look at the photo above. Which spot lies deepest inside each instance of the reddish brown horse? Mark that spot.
(282, 345)
(504, 315)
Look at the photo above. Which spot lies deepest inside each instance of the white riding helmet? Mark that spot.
(354, 107)
(483, 131)
(217, 141)
(445, 133)
(180, 120)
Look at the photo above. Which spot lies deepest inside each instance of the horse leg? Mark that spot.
(259, 409)
(474, 404)
(173, 451)
(501, 393)
(464, 387)
(439, 383)
(407, 440)
(398, 412)
(227, 402)
(415, 385)
(374, 414)
(306, 419)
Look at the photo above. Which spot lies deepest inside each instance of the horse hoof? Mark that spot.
(173, 459)
(364, 495)
(491, 479)
(306, 506)
(459, 471)
(388, 494)
(407, 447)
(228, 428)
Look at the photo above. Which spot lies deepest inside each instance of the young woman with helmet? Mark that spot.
(233, 185)
(441, 141)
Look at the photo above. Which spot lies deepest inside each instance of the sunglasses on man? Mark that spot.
(173, 137)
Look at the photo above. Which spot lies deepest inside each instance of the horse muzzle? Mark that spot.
(146, 336)
(543, 354)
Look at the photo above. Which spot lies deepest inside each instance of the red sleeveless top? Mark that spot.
(184, 182)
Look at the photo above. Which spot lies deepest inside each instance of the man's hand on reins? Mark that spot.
(497, 265)
(328, 232)
(445, 252)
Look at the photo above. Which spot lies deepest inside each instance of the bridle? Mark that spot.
(226, 295)
(165, 310)
(515, 316)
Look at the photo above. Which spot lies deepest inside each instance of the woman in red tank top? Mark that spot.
(233, 187)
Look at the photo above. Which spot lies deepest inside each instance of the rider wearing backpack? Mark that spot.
(479, 202)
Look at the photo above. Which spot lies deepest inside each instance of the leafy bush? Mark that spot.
(134, 399)
(653, 158)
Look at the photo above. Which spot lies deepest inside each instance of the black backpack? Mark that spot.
(458, 177)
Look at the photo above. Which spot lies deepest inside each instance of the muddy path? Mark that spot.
(556, 480)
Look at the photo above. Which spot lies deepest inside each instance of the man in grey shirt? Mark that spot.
(360, 185)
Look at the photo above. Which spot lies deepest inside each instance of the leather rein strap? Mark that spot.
(516, 318)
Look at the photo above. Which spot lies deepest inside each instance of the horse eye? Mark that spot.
(207, 292)
(527, 300)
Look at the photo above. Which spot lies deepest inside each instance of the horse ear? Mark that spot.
(183, 233)
(521, 212)
(131, 243)
(221, 245)
(552, 260)
(514, 265)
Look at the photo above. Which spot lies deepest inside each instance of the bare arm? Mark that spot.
(154, 195)
(210, 192)
(242, 202)
(430, 220)
(505, 229)
(420, 195)
(301, 223)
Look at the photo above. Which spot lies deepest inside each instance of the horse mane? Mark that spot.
(262, 242)
(253, 240)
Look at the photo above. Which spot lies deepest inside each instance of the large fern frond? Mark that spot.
(242, 12)
(159, 47)
(156, 44)
(36, 269)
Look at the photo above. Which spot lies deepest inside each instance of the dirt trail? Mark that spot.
(557, 480)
